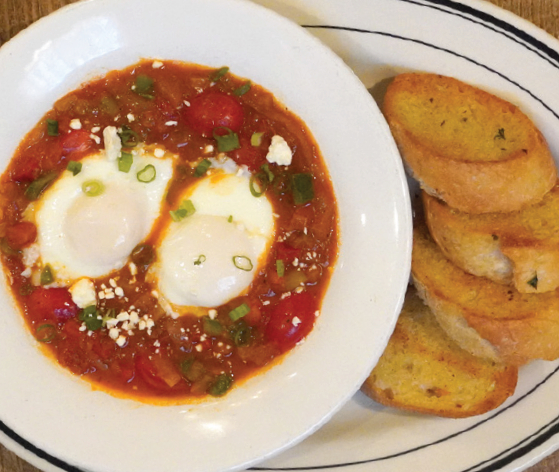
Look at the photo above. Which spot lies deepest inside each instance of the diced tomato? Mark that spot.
(287, 253)
(291, 320)
(251, 156)
(76, 144)
(21, 234)
(158, 372)
(53, 304)
(212, 110)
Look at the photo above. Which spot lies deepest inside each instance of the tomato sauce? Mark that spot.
(206, 352)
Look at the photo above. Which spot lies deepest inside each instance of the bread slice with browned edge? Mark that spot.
(517, 247)
(425, 371)
(473, 150)
(485, 318)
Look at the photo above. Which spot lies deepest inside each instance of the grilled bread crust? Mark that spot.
(425, 371)
(467, 147)
(517, 247)
(485, 318)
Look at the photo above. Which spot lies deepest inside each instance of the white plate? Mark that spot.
(486, 46)
(55, 420)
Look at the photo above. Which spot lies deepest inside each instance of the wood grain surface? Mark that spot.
(16, 15)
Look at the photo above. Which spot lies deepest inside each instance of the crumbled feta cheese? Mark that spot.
(212, 314)
(279, 152)
(114, 333)
(296, 321)
(113, 144)
(75, 124)
(119, 292)
(95, 138)
(95, 129)
(31, 254)
(130, 117)
(27, 273)
(133, 269)
(157, 64)
(208, 149)
(158, 152)
(121, 341)
(171, 123)
(83, 293)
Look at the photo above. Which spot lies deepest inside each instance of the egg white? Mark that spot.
(81, 235)
(195, 264)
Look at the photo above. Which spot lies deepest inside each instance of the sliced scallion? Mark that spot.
(91, 317)
(258, 184)
(211, 327)
(125, 161)
(202, 167)
(185, 209)
(218, 74)
(45, 333)
(239, 312)
(230, 219)
(228, 141)
(52, 127)
(302, 187)
(47, 277)
(269, 174)
(128, 137)
(242, 89)
(200, 260)
(147, 174)
(243, 263)
(74, 167)
(280, 268)
(256, 139)
(38, 185)
(93, 188)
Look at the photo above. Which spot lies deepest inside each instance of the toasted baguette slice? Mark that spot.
(472, 149)
(485, 318)
(517, 247)
(425, 371)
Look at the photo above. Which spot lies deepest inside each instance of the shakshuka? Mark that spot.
(168, 230)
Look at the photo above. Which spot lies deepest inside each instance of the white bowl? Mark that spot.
(55, 420)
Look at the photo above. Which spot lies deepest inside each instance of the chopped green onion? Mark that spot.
(26, 289)
(211, 327)
(269, 174)
(227, 142)
(91, 317)
(230, 219)
(192, 369)
(74, 167)
(144, 86)
(125, 161)
(256, 139)
(93, 188)
(147, 174)
(258, 184)
(303, 190)
(45, 333)
(38, 185)
(202, 167)
(220, 385)
(242, 89)
(241, 333)
(109, 315)
(52, 127)
(200, 260)
(218, 74)
(109, 106)
(186, 208)
(128, 137)
(280, 268)
(47, 277)
(239, 312)
(534, 281)
(243, 263)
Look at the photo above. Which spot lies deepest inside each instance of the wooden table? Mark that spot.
(15, 15)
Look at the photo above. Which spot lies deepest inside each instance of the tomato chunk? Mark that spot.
(158, 372)
(21, 234)
(213, 110)
(76, 144)
(54, 304)
(251, 156)
(291, 320)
